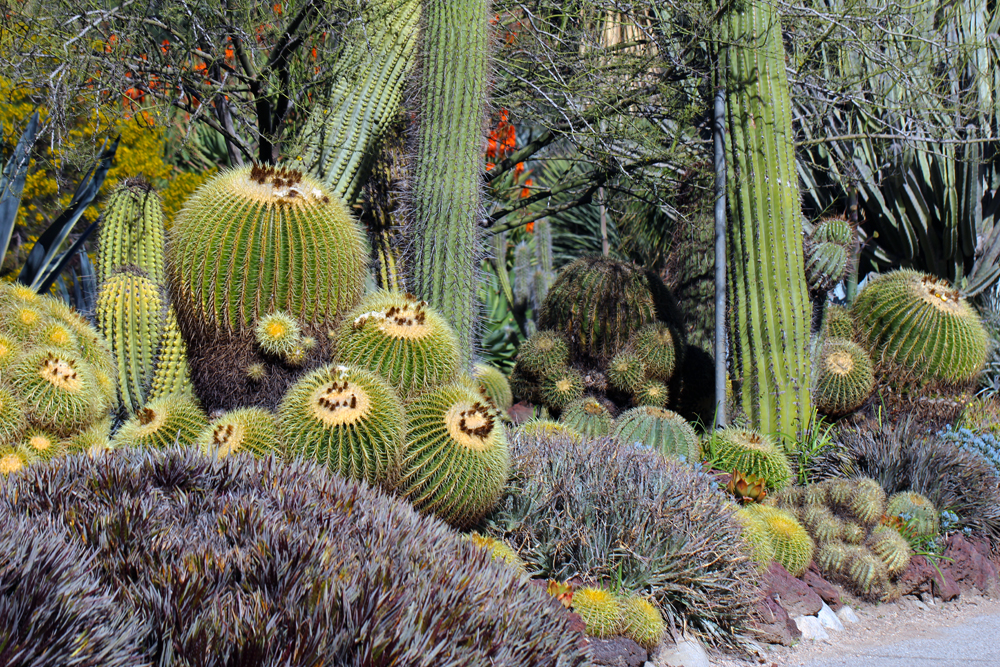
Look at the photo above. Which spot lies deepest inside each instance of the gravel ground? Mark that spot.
(965, 632)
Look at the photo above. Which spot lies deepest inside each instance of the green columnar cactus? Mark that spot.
(494, 384)
(598, 303)
(170, 374)
(921, 325)
(659, 348)
(588, 417)
(456, 460)
(348, 419)
(600, 610)
(542, 352)
(793, 547)
(750, 452)
(445, 196)
(132, 231)
(663, 430)
(839, 323)
(58, 389)
(164, 422)
(845, 377)
(642, 622)
(131, 313)
(523, 272)
(400, 338)
(245, 430)
(626, 371)
(560, 386)
(339, 141)
(916, 511)
(891, 548)
(770, 307)
(257, 239)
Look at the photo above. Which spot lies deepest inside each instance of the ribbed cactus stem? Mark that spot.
(171, 374)
(445, 193)
(132, 231)
(767, 286)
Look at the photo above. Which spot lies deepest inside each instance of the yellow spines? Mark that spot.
(494, 384)
(641, 621)
(132, 231)
(12, 416)
(162, 423)
(793, 547)
(250, 430)
(499, 550)
(547, 428)
(600, 610)
(12, 460)
(41, 444)
(171, 375)
(58, 389)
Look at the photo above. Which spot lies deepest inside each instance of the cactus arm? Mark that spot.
(767, 281)
(170, 375)
(445, 193)
(339, 141)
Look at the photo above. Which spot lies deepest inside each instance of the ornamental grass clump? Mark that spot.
(245, 561)
(611, 512)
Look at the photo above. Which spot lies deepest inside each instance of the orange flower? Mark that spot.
(530, 228)
(526, 190)
(165, 46)
(277, 8)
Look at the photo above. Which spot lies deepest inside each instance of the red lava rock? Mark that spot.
(772, 623)
(520, 413)
(922, 577)
(793, 594)
(827, 591)
(968, 566)
(616, 651)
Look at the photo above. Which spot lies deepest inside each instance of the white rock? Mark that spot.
(829, 619)
(847, 615)
(687, 652)
(811, 628)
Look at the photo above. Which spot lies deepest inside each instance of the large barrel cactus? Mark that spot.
(250, 242)
(921, 327)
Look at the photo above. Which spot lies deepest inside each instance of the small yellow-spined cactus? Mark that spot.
(919, 513)
(642, 622)
(560, 386)
(494, 384)
(12, 460)
(547, 428)
(652, 393)
(93, 439)
(543, 352)
(750, 452)
(250, 430)
(793, 547)
(890, 547)
(162, 423)
(626, 371)
(12, 416)
(657, 345)
(600, 610)
(499, 550)
(42, 445)
(279, 334)
(757, 535)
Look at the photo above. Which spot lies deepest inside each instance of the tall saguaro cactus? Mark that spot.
(769, 317)
(445, 183)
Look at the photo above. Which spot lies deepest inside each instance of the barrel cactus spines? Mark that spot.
(757, 535)
(834, 230)
(821, 523)
(626, 371)
(547, 428)
(543, 352)
(493, 382)
(12, 459)
(57, 334)
(251, 430)
(132, 231)
(816, 494)
(641, 621)
(600, 610)
(659, 347)
(598, 303)
(24, 321)
(131, 314)
(853, 532)
(915, 512)
(499, 551)
(793, 547)
(826, 265)
(920, 325)
(348, 419)
(663, 430)
(839, 322)
(652, 393)
(9, 350)
(161, 423)
(838, 490)
(278, 334)
(845, 377)
(42, 444)
(560, 386)
(12, 415)
(891, 548)
(831, 556)
(587, 416)
(170, 373)
(58, 389)
(92, 440)
(865, 571)
(456, 459)
(523, 385)
(402, 339)
(749, 451)
(867, 501)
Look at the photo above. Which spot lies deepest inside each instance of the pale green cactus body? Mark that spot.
(494, 384)
(132, 231)
(588, 417)
(131, 314)
(162, 423)
(171, 375)
(663, 430)
(845, 377)
(751, 453)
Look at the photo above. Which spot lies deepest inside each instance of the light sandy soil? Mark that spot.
(897, 634)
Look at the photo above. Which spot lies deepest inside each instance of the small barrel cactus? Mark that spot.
(163, 422)
(659, 348)
(402, 339)
(544, 351)
(279, 334)
(834, 230)
(547, 428)
(499, 550)
(626, 371)
(493, 383)
(59, 389)
(587, 416)
(793, 547)
(600, 610)
(845, 377)
(663, 430)
(839, 322)
(560, 386)
(757, 535)
(891, 548)
(749, 452)
(821, 523)
(916, 512)
(921, 325)
(642, 622)
(652, 393)
(831, 556)
(826, 265)
(865, 571)
(456, 459)
(866, 501)
(250, 430)
(348, 419)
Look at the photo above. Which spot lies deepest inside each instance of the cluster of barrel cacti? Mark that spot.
(858, 530)
(57, 380)
(607, 614)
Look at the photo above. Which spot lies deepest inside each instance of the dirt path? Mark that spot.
(966, 632)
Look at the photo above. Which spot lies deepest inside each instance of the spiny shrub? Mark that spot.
(606, 511)
(400, 338)
(921, 324)
(53, 610)
(282, 564)
(750, 452)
